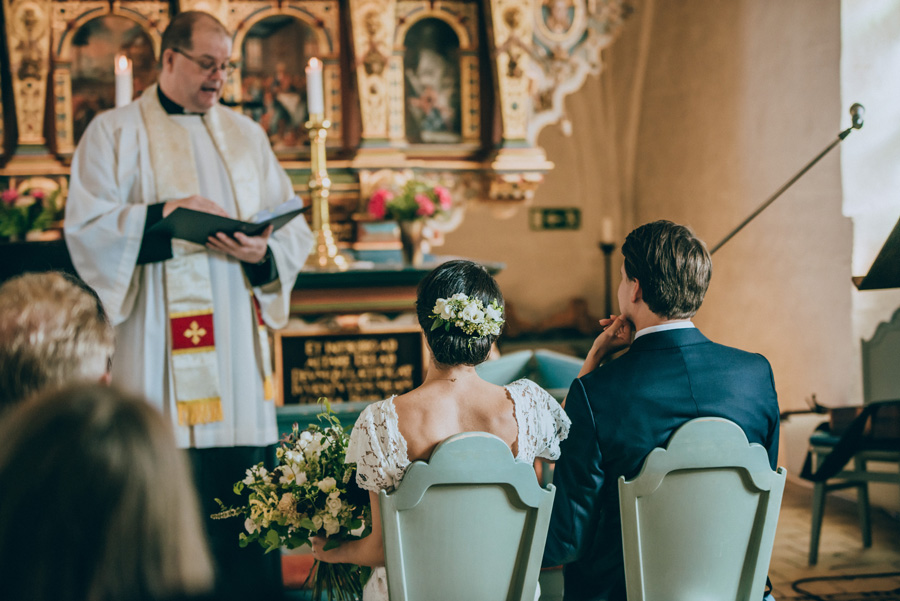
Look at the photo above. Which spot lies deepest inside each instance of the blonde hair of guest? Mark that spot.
(53, 331)
(97, 502)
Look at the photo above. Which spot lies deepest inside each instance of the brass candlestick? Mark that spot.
(327, 254)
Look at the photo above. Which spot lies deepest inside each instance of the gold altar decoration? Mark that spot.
(567, 41)
(379, 74)
(327, 254)
(453, 89)
(28, 39)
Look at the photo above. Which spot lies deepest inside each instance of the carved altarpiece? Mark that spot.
(465, 112)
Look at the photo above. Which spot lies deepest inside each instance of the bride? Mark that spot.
(460, 308)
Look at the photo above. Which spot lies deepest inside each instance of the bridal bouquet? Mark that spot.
(306, 495)
(416, 200)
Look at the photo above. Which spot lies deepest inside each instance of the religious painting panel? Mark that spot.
(432, 83)
(273, 43)
(88, 37)
(95, 46)
(441, 66)
(273, 80)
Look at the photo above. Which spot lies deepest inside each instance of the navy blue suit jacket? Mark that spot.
(623, 410)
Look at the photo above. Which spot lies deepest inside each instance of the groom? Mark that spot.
(623, 409)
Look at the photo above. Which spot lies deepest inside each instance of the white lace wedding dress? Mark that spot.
(379, 450)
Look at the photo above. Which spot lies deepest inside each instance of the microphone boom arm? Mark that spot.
(856, 112)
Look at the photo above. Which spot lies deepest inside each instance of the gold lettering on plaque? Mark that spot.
(359, 369)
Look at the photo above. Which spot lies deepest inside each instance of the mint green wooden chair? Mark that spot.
(698, 522)
(506, 368)
(470, 523)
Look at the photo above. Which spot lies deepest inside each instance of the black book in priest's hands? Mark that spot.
(197, 226)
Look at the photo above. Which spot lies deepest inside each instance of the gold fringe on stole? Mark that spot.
(262, 351)
(201, 411)
(269, 389)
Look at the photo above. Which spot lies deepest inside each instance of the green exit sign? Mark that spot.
(543, 218)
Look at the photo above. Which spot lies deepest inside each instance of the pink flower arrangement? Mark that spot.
(426, 206)
(22, 212)
(9, 196)
(417, 200)
(443, 196)
(378, 203)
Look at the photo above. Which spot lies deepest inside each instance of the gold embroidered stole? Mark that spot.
(187, 279)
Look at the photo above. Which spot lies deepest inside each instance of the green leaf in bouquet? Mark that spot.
(272, 540)
(308, 524)
(331, 543)
(238, 487)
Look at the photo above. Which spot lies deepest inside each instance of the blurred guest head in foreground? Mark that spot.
(97, 502)
(53, 331)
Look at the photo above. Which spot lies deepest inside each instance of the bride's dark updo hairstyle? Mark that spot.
(455, 347)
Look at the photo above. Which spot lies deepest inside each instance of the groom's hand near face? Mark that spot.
(616, 335)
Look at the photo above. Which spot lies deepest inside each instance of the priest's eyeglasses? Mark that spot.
(208, 64)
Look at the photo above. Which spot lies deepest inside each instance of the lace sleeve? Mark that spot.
(372, 447)
(542, 422)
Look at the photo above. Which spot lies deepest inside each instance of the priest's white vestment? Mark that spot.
(112, 184)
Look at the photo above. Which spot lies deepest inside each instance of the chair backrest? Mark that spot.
(881, 376)
(470, 523)
(556, 371)
(553, 371)
(505, 369)
(698, 522)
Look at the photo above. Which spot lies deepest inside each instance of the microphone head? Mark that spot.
(857, 113)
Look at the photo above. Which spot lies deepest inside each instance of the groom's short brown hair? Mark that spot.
(672, 266)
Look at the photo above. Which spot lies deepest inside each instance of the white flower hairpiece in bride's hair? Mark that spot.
(468, 314)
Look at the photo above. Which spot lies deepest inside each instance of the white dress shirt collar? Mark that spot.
(669, 325)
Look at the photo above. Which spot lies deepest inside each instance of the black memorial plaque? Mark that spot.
(359, 366)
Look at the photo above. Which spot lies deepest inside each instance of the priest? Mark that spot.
(190, 319)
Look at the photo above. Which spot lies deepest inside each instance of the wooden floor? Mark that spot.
(845, 570)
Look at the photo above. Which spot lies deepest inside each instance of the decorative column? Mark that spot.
(28, 38)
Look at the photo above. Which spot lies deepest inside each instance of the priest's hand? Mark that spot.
(195, 203)
(249, 249)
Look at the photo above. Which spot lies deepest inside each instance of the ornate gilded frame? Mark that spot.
(66, 19)
(379, 32)
(322, 16)
(463, 19)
